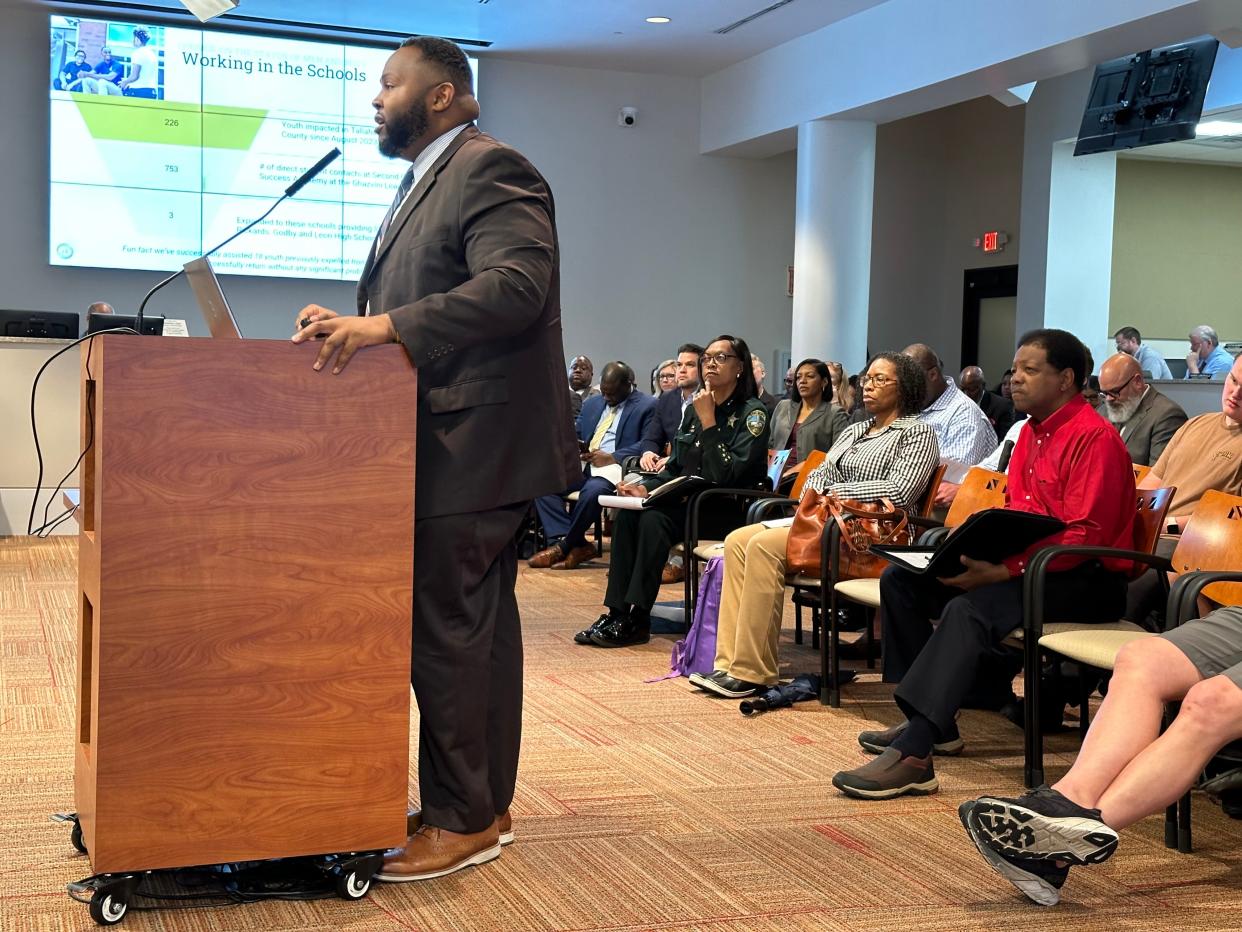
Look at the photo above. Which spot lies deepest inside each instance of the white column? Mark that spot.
(832, 241)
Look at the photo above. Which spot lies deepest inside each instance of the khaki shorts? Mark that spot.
(1213, 643)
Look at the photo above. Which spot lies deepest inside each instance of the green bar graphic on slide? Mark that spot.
(169, 123)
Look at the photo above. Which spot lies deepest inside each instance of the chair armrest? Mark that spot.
(933, 537)
(1184, 596)
(696, 504)
(1037, 571)
(759, 510)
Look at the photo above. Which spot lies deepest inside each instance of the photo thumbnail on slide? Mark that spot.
(176, 138)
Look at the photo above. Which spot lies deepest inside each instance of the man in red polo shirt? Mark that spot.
(1070, 464)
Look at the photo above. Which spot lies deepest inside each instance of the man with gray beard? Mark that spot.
(1147, 419)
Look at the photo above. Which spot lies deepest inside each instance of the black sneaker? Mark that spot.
(1043, 825)
(728, 686)
(877, 742)
(1039, 881)
(700, 679)
(622, 632)
(584, 636)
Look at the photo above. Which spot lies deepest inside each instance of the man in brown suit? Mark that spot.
(1147, 419)
(464, 273)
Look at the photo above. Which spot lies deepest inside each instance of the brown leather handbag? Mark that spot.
(861, 524)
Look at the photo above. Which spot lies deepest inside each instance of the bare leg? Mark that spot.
(1148, 673)
(1211, 717)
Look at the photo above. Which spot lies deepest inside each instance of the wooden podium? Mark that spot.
(245, 575)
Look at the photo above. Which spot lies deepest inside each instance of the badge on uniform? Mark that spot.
(755, 422)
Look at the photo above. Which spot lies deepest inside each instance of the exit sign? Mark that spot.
(992, 241)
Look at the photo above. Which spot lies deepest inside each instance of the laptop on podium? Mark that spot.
(211, 300)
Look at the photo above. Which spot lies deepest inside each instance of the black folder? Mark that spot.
(990, 535)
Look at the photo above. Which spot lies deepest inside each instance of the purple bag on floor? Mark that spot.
(697, 653)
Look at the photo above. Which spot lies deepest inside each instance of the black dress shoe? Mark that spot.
(584, 636)
(730, 687)
(622, 632)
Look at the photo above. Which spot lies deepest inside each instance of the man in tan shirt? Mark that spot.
(1205, 453)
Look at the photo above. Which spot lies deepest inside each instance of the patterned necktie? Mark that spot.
(403, 189)
(604, 423)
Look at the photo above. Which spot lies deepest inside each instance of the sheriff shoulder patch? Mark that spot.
(755, 422)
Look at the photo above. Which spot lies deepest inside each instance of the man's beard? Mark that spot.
(1119, 411)
(400, 131)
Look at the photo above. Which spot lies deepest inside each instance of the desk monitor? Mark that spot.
(46, 325)
(211, 300)
(152, 326)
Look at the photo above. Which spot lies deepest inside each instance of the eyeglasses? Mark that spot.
(668, 376)
(879, 381)
(1116, 392)
(717, 358)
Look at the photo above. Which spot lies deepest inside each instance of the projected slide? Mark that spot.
(165, 141)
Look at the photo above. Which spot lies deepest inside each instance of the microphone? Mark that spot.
(293, 189)
(311, 173)
(1006, 452)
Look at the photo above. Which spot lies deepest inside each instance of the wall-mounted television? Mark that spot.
(1148, 98)
(165, 141)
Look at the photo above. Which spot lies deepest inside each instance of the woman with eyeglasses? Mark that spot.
(664, 377)
(813, 421)
(724, 439)
(892, 454)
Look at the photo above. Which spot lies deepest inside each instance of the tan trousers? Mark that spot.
(751, 603)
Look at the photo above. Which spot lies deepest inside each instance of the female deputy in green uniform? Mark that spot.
(724, 439)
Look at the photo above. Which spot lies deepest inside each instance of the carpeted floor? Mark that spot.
(639, 805)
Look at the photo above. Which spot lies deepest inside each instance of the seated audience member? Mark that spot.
(106, 76)
(581, 373)
(658, 438)
(890, 455)
(858, 410)
(964, 433)
(1205, 453)
(1207, 358)
(997, 410)
(75, 72)
(1069, 464)
(664, 377)
(761, 373)
(610, 428)
(791, 391)
(1004, 388)
(1091, 393)
(1127, 768)
(1147, 419)
(1129, 341)
(723, 439)
(811, 423)
(840, 387)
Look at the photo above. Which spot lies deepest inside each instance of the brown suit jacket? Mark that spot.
(1154, 423)
(470, 274)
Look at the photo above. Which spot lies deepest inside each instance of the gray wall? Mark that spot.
(942, 179)
(660, 243)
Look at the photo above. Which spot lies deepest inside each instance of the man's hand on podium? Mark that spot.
(345, 335)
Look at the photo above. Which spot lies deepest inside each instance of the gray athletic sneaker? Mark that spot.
(1044, 825)
(1038, 881)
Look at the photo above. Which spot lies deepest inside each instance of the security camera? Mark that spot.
(627, 116)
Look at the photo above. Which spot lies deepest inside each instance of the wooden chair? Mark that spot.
(1140, 473)
(700, 551)
(1211, 540)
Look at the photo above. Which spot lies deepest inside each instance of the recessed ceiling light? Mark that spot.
(658, 19)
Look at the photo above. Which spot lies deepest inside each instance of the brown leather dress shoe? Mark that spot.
(576, 557)
(545, 558)
(672, 573)
(504, 824)
(434, 852)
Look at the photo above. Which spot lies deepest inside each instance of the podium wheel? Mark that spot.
(351, 887)
(107, 909)
(75, 838)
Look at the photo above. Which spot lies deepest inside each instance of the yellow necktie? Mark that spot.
(605, 422)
